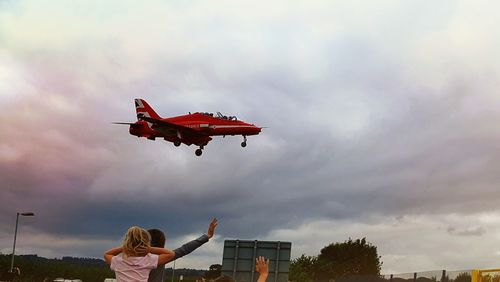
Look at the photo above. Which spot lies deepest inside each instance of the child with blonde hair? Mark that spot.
(133, 261)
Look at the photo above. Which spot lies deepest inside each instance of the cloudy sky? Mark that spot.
(383, 123)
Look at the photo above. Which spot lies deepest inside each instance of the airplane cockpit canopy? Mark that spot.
(221, 116)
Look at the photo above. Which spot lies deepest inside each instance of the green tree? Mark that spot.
(352, 257)
(214, 271)
(463, 277)
(302, 269)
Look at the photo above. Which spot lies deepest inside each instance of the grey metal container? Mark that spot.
(238, 259)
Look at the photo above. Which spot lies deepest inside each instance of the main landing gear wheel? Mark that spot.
(177, 143)
(244, 143)
(198, 152)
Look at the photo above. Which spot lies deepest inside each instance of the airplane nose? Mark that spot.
(252, 129)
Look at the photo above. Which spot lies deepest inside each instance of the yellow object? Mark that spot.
(477, 274)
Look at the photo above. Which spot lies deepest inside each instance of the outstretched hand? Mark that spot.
(211, 228)
(262, 267)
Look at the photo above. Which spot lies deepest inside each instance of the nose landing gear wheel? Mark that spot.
(198, 152)
(244, 143)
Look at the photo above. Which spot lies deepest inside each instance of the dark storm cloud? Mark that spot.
(398, 170)
(403, 165)
(471, 231)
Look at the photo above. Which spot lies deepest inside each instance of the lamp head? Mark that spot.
(27, 214)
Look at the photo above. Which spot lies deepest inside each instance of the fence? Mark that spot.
(474, 275)
(424, 276)
(432, 276)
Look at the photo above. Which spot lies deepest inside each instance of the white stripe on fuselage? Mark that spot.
(232, 126)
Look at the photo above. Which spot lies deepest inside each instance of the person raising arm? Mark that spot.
(158, 240)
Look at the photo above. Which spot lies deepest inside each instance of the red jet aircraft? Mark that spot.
(189, 129)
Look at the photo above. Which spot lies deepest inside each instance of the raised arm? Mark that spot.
(262, 267)
(164, 255)
(196, 243)
(109, 254)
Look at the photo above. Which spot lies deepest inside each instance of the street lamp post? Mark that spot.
(15, 237)
(173, 272)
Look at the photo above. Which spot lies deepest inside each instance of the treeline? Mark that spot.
(37, 269)
(337, 261)
(188, 275)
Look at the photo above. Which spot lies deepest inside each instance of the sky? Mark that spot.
(382, 122)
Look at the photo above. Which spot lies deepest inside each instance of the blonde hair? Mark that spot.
(135, 238)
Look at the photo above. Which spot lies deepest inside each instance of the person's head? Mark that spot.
(157, 238)
(136, 239)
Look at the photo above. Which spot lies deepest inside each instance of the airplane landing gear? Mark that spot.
(177, 143)
(244, 143)
(199, 151)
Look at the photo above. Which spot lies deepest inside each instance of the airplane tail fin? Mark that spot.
(142, 108)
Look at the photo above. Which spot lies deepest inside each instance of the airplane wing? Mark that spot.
(165, 126)
(125, 123)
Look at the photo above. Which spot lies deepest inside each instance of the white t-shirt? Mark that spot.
(133, 269)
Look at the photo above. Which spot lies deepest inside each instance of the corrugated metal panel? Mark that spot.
(238, 259)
